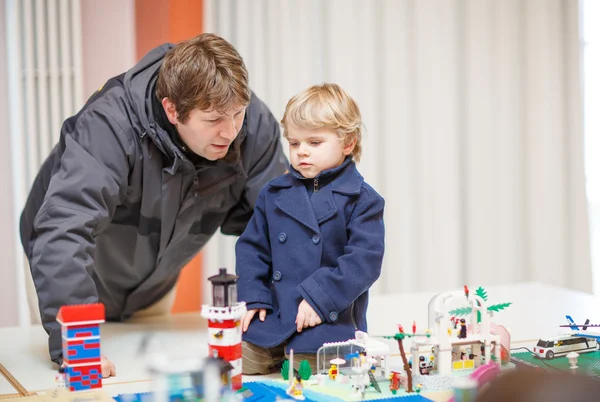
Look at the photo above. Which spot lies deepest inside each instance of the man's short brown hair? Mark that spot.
(204, 72)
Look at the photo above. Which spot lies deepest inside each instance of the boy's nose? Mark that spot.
(302, 150)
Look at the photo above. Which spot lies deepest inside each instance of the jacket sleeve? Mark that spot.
(79, 203)
(266, 161)
(329, 290)
(253, 260)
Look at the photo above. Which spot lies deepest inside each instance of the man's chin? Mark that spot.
(213, 156)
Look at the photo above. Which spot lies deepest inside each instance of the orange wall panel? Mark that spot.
(158, 22)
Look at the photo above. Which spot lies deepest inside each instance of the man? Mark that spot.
(153, 164)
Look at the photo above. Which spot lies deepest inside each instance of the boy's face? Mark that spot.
(208, 133)
(312, 151)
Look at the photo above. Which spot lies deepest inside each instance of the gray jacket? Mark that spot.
(118, 209)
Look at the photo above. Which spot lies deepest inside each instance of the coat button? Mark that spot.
(276, 276)
(281, 237)
(278, 313)
(333, 316)
(316, 239)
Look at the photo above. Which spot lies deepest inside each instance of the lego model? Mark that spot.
(549, 348)
(179, 378)
(224, 316)
(330, 353)
(446, 345)
(580, 340)
(81, 345)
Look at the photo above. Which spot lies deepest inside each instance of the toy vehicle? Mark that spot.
(563, 344)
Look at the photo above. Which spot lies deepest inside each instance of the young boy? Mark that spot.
(315, 243)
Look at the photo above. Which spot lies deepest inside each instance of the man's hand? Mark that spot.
(108, 368)
(262, 314)
(306, 316)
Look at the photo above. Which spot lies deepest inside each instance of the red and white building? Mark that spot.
(81, 345)
(224, 329)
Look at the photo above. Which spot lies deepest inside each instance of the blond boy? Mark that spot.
(315, 243)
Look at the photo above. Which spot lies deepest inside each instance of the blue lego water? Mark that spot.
(269, 391)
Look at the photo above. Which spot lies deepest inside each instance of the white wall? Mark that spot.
(9, 249)
(108, 40)
(473, 116)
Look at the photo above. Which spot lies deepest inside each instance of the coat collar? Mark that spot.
(315, 210)
(348, 181)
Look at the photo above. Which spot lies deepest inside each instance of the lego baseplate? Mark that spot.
(587, 363)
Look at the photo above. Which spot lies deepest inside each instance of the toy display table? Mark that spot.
(537, 311)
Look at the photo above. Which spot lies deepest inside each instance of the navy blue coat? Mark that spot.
(325, 247)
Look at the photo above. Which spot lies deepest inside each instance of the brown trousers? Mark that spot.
(259, 360)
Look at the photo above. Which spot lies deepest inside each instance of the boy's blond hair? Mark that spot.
(326, 106)
(204, 72)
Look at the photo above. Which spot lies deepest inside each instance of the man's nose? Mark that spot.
(230, 129)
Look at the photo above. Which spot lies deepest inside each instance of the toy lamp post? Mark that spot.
(572, 357)
(224, 331)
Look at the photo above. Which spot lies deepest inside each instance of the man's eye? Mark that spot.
(214, 120)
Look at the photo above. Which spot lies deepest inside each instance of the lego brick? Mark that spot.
(84, 351)
(81, 313)
(80, 331)
(228, 353)
(223, 324)
(84, 377)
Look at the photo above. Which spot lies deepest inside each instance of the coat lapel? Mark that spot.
(295, 203)
(323, 205)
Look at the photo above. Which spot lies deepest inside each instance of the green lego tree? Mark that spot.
(305, 371)
(481, 292)
(285, 370)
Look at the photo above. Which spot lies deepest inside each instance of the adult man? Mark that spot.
(153, 164)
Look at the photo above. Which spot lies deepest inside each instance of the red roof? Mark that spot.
(81, 313)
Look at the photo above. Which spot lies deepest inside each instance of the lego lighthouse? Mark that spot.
(224, 330)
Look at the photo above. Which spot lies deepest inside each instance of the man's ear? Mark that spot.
(170, 111)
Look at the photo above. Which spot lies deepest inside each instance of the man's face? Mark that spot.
(208, 133)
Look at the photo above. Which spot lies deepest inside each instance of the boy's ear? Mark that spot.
(349, 147)
(170, 111)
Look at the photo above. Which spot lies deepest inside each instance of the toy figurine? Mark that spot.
(333, 371)
(394, 382)
(59, 379)
(463, 329)
(423, 366)
(296, 389)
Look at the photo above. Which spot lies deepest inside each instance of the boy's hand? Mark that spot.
(306, 316)
(108, 368)
(262, 314)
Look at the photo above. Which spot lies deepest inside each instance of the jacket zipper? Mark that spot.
(316, 185)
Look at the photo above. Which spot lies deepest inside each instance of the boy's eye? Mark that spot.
(315, 142)
(293, 144)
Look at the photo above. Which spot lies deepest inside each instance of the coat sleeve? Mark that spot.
(332, 289)
(267, 161)
(79, 203)
(253, 260)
